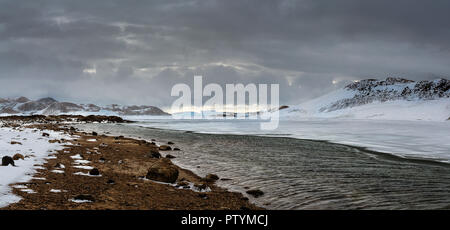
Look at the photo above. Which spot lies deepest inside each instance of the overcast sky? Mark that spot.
(132, 52)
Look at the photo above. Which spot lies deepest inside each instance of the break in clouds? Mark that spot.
(133, 52)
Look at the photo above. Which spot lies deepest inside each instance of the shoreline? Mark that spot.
(122, 184)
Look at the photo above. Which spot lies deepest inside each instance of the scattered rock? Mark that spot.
(16, 143)
(94, 172)
(165, 148)
(163, 170)
(110, 181)
(211, 178)
(7, 160)
(45, 134)
(200, 186)
(182, 184)
(170, 156)
(176, 149)
(170, 143)
(59, 165)
(255, 193)
(18, 156)
(154, 154)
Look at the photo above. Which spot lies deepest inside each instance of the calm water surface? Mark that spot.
(303, 174)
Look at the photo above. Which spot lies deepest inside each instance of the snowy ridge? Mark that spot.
(389, 99)
(50, 106)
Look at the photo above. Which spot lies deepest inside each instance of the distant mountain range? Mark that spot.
(391, 98)
(50, 106)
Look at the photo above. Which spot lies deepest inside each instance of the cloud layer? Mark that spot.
(133, 52)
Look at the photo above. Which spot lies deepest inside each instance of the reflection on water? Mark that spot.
(303, 174)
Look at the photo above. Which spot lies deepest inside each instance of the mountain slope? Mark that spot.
(50, 106)
(392, 98)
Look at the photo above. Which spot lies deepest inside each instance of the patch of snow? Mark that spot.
(78, 157)
(86, 174)
(80, 201)
(32, 142)
(83, 167)
(28, 190)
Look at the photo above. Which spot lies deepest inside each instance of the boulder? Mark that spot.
(170, 156)
(154, 154)
(7, 160)
(163, 170)
(18, 156)
(255, 193)
(94, 134)
(211, 178)
(94, 172)
(165, 148)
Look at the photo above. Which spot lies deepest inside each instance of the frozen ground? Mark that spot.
(34, 147)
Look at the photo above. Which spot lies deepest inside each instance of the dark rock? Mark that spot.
(176, 149)
(170, 143)
(7, 160)
(110, 181)
(165, 148)
(182, 184)
(94, 172)
(200, 186)
(170, 156)
(154, 154)
(255, 193)
(163, 170)
(94, 134)
(45, 134)
(211, 178)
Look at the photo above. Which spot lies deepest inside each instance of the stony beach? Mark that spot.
(102, 172)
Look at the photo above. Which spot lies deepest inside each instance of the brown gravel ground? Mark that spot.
(126, 162)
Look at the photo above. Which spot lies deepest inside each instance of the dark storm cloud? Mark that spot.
(134, 51)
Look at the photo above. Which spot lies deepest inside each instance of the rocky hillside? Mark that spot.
(50, 106)
(372, 90)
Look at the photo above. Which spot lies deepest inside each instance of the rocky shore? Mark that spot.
(95, 171)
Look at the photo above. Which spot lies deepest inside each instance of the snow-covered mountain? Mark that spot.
(392, 99)
(50, 106)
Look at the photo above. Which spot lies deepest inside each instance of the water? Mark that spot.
(304, 174)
